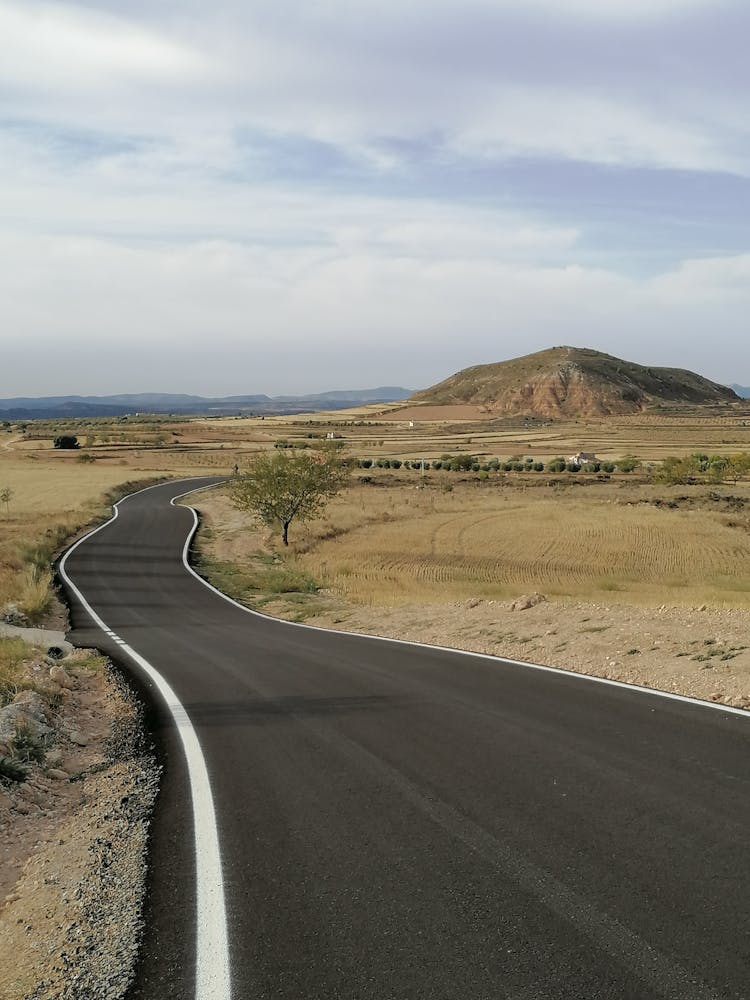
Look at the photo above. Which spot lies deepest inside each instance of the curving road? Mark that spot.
(399, 822)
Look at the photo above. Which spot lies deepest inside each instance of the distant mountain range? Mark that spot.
(741, 390)
(52, 407)
(574, 382)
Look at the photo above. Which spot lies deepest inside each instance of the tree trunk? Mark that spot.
(285, 532)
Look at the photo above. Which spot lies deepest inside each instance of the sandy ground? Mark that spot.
(73, 843)
(438, 414)
(703, 653)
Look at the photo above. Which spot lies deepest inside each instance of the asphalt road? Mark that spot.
(404, 822)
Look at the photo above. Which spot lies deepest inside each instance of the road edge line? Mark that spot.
(573, 675)
(212, 966)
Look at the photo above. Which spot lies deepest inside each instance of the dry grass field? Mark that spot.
(55, 493)
(620, 543)
(389, 542)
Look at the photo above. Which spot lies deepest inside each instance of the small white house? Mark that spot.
(582, 457)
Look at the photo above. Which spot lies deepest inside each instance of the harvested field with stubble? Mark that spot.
(635, 544)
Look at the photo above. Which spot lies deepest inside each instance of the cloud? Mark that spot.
(247, 317)
(618, 10)
(488, 80)
(576, 125)
(61, 46)
(263, 184)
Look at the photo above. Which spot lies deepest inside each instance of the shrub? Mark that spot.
(538, 466)
(66, 441)
(395, 463)
(35, 594)
(459, 463)
(628, 463)
(26, 747)
(11, 770)
(365, 463)
(572, 467)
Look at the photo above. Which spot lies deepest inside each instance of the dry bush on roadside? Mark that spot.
(35, 591)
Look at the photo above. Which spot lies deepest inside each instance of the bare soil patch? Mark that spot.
(439, 414)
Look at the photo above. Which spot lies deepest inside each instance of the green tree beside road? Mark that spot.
(285, 485)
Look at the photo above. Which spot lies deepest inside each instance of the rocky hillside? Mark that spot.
(573, 382)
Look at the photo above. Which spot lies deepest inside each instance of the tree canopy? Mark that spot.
(284, 485)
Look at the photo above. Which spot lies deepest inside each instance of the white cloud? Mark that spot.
(57, 46)
(354, 75)
(625, 10)
(575, 125)
(247, 317)
(139, 214)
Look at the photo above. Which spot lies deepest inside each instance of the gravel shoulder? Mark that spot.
(73, 838)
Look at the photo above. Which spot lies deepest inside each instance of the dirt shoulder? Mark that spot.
(73, 835)
(702, 653)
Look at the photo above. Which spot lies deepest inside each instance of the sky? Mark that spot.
(290, 196)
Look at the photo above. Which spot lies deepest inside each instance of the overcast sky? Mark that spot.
(299, 195)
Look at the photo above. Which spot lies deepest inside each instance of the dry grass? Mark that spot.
(54, 494)
(402, 545)
(397, 543)
(36, 589)
(494, 543)
(13, 655)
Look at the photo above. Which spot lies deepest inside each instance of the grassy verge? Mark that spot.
(262, 579)
(31, 542)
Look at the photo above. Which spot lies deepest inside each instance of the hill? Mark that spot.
(573, 382)
(741, 390)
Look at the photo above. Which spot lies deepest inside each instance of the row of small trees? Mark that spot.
(697, 467)
(470, 463)
(289, 484)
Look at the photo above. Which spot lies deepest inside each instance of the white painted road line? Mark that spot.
(212, 975)
(572, 675)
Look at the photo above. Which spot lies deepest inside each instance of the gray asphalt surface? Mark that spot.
(403, 822)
